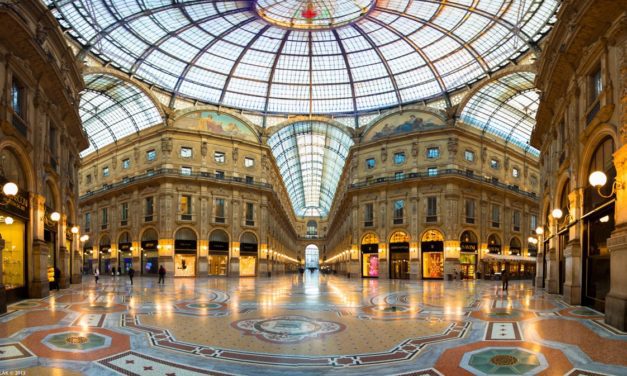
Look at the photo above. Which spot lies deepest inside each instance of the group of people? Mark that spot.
(131, 274)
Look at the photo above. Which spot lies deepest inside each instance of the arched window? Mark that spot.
(312, 229)
(602, 160)
(494, 244)
(11, 168)
(514, 247)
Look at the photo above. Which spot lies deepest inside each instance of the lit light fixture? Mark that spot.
(74, 230)
(84, 238)
(55, 216)
(8, 220)
(598, 179)
(532, 240)
(539, 230)
(557, 213)
(604, 219)
(10, 189)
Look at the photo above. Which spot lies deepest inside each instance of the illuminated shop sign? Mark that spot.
(399, 247)
(370, 248)
(149, 244)
(468, 247)
(218, 246)
(125, 247)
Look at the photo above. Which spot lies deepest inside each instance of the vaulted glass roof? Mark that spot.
(310, 156)
(507, 108)
(307, 56)
(111, 108)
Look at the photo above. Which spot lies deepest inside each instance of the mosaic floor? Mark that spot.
(305, 325)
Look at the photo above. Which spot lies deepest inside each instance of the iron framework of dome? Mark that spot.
(344, 57)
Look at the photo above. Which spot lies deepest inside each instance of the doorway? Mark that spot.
(312, 257)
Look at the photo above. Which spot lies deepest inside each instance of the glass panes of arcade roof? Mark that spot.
(372, 55)
(111, 108)
(310, 156)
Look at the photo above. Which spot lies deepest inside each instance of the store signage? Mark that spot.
(399, 247)
(185, 244)
(494, 248)
(468, 247)
(149, 244)
(16, 205)
(370, 248)
(125, 247)
(437, 246)
(247, 248)
(68, 234)
(218, 245)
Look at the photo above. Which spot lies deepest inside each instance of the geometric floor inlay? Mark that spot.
(503, 331)
(503, 361)
(287, 329)
(134, 364)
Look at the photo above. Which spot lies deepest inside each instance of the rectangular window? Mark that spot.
(516, 220)
(185, 207)
(432, 171)
(124, 214)
(249, 162)
(433, 153)
(369, 215)
(126, 164)
(370, 163)
(18, 99)
(219, 157)
(186, 170)
(399, 211)
(469, 156)
(496, 216)
(219, 210)
(432, 209)
(149, 209)
(219, 174)
(494, 164)
(105, 171)
(250, 180)
(399, 158)
(470, 211)
(250, 214)
(52, 140)
(186, 152)
(533, 222)
(151, 155)
(597, 85)
(88, 179)
(399, 175)
(515, 172)
(87, 223)
(104, 218)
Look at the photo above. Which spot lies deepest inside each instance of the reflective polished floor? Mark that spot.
(312, 324)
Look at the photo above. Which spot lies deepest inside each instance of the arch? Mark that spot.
(185, 233)
(248, 237)
(494, 239)
(104, 240)
(52, 195)
(468, 236)
(432, 235)
(312, 228)
(312, 256)
(8, 143)
(370, 238)
(219, 235)
(149, 233)
(368, 128)
(70, 212)
(11, 168)
(399, 236)
(515, 246)
(302, 118)
(601, 134)
(125, 237)
(179, 114)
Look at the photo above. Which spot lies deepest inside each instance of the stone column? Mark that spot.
(38, 268)
(572, 252)
(552, 262)
(64, 254)
(3, 293)
(616, 299)
(77, 266)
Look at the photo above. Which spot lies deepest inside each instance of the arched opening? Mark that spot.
(104, 254)
(13, 223)
(88, 257)
(399, 255)
(125, 252)
(370, 255)
(469, 245)
(312, 257)
(248, 248)
(599, 222)
(312, 229)
(185, 244)
(432, 249)
(515, 248)
(150, 252)
(493, 265)
(218, 253)
(50, 230)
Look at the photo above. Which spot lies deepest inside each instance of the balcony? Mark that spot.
(470, 220)
(369, 223)
(186, 217)
(148, 218)
(104, 226)
(398, 221)
(250, 222)
(124, 222)
(496, 224)
(219, 220)
(432, 218)
(20, 125)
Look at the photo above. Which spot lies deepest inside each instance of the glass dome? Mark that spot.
(307, 56)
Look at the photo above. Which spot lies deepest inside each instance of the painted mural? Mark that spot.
(216, 123)
(406, 122)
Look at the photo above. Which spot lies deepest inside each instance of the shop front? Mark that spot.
(13, 221)
(432, 249)
(104, 255)
(469, 247)
(399, 255)
(185, 252)
(88, 258)
(218, 253)
(518, 267)
(50, 237)
(125, 257)
(370, 256)
(248, 250)
(149, 254)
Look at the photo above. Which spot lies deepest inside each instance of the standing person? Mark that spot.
(505, 279)
(161, 275)
(57, 277)
(131, 273)
(96, 274)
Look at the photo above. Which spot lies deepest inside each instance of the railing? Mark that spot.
(470, 220)
(148, 218)
(442, 173)
(432, 218)
(369, 223)
(124, 222)
(175, 173)
(20, 125)
(593, 112)
(398, 221)
(219, 220)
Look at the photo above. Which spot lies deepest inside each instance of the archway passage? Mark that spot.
(312, 256)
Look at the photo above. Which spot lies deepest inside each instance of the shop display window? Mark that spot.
(150, 262)
(247, 266)
(370, 265)
(185, 265)
(13, 254)
(218, 264)
(433, 265)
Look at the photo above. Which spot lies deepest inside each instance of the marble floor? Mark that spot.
(305, 325)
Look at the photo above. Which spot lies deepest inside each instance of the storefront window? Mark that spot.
(13, 253)
(185, 265)
(370, 265)
(247, 266)
(218, 264)
(433, 265)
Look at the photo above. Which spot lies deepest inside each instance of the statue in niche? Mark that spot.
(203, 149)
(506, 164)
(235, 154)
(484, 154)
(114, 162)
(414, 149)
(136, 154)
(452, 146)
(166, 145)
(41, 34)
(384, 154)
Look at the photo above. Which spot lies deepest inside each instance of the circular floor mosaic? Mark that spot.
(288, 329)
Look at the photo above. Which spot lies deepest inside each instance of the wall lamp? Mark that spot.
(598, 179)
(9, 189)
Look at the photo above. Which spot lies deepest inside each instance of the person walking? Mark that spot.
(161, 275)
(57, 277)
(505, 279)
(131, 273)
(96, 274)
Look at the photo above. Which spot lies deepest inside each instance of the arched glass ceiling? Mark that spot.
(112, 108)
(310, 156)
(506, 107)
(225, 52)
